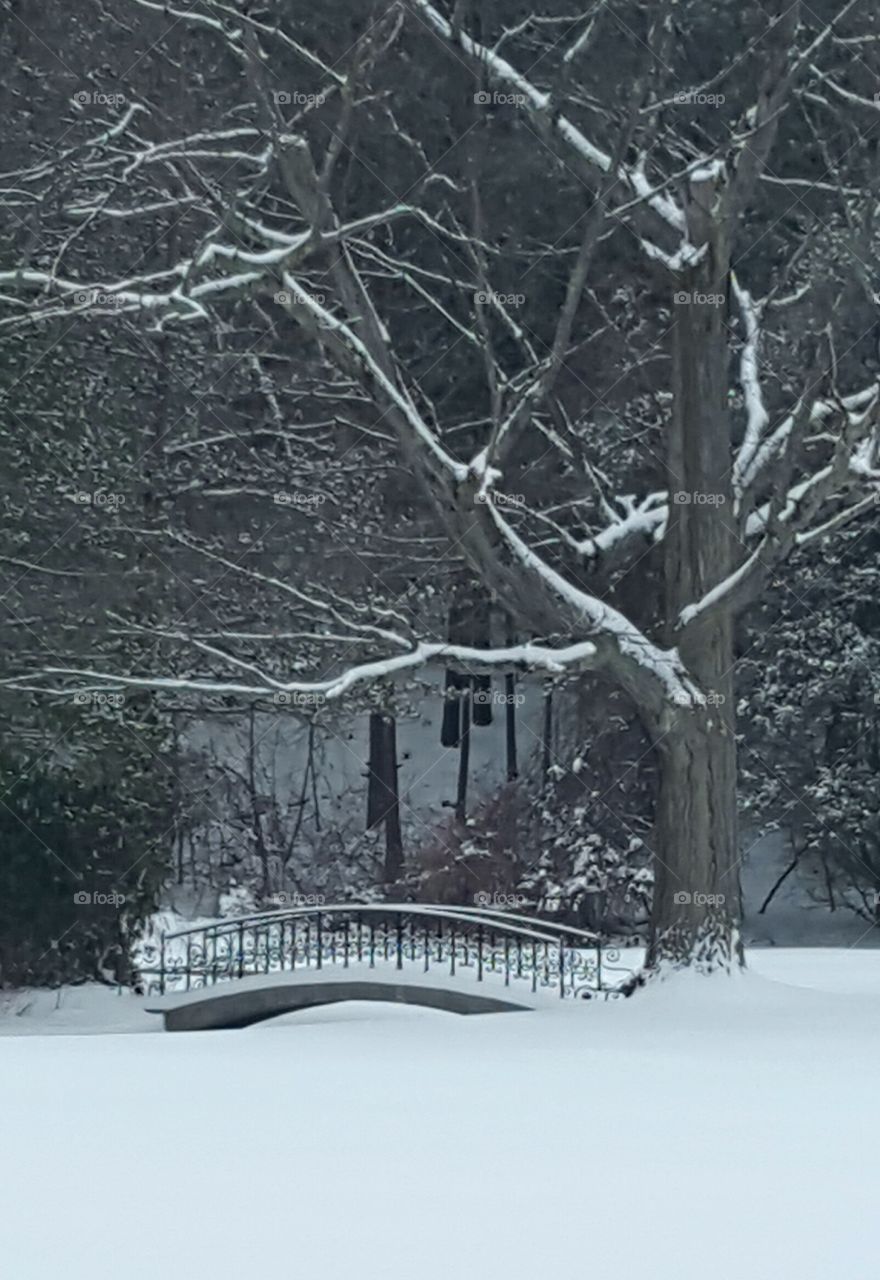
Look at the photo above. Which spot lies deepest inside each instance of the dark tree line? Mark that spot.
(357, 305)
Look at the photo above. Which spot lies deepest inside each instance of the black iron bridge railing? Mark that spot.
(490, 944)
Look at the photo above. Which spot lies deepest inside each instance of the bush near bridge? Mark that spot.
(85, 829)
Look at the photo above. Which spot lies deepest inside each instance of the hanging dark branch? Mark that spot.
(383, 804)
(463, 762)
(469, 624)
(547, 736)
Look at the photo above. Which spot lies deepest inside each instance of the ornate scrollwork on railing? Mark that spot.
(488, 944)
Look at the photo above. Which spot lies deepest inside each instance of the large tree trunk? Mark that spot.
(696, 891)
(696, 896)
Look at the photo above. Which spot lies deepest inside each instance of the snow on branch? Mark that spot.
(785, 520)
(774, 445)
(870, 104)
(169, 11)
(539, 106)
(757, 418)
(117, 296)
(317, 607)
(645, 520)
(522, 658)
(871, 503)
(724, 593)
(234, 35)
(624, 645)
(274, 31)
(303, 301)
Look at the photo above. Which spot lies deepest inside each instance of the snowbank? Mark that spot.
(704, 1128)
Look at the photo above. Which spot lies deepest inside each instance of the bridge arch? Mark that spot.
(252, 1000)
(461, 959)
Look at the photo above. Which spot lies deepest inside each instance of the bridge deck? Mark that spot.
(253, 999)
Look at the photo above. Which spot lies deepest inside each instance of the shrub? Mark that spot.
(84, 842)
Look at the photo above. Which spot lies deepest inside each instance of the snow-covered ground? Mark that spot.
(707, 1128)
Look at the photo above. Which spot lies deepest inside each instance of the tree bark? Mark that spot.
(696, 906)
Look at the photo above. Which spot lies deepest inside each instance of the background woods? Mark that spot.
(444, 438)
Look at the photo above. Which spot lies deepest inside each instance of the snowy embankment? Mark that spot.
(704, 1128)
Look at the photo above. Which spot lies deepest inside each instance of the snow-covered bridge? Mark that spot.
(462, 959)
